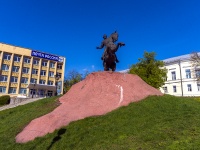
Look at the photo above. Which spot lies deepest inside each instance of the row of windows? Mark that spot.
(59, 66)
(12, 90)
(189, 88)
(187, 74)
(14, 79)
(17, 58)
(26, 70)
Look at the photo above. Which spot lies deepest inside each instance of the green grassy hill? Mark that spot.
(165, 122)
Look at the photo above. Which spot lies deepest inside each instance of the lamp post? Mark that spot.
(33, 88)
(57, 77)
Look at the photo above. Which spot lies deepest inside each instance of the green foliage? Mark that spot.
(5, 99)
(158, 122)
(73, 77)
(150, 70)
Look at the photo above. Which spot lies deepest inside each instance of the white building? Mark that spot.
(181, 77)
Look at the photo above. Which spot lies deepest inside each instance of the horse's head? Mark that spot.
(114, 36)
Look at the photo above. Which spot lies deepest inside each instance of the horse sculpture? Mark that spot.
(109, 57)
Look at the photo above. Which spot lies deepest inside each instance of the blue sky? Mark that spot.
(73, 28)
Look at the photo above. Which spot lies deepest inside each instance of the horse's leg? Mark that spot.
(105, 66)
(114, 66)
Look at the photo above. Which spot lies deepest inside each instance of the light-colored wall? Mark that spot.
(174, 66)
(24, 52)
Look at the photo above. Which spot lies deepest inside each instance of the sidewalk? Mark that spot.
(14, 104)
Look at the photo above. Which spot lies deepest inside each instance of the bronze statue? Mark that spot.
(109, 57)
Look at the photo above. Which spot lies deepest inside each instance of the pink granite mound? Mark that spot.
(98, 94)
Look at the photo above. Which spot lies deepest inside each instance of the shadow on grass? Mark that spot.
(57, 138)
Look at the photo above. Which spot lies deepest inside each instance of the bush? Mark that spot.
(5, 99)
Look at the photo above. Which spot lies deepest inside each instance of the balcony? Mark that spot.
(44, 68)
(35, 66)
(27, 65)
(52, 69)
(7, 62)
(16, 63)
(13, 84)
(59, 70)
(24, 85)
(35, 76)
(16, 74)
(25, 75)
(5, 72)
(51, 78)
(3, 83)
(43, 77)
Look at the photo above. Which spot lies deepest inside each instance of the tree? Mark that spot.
(195, 60)
(72, 78)
(152, 71)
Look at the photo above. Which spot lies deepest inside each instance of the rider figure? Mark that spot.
(104, 43)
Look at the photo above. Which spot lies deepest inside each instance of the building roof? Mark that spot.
(29, 49)
(124, 71)
(178, 58)
(182, 57)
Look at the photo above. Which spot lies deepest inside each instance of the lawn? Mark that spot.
(165, 122)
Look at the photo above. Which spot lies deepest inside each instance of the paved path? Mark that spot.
(25, 101)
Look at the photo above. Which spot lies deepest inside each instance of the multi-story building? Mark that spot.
(181, 77)
(30, 73)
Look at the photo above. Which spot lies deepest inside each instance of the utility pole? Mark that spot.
(179, 63)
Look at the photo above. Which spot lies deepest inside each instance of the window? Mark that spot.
(197, 72)
(3, 78)
(27, 60)
(33, 80)
(6, 56)
(189, 86)
(22, 91)
(12, 90)
(165, 89)
(35, 61)
(43, 73)
(52, 65)
(50, 82)
(44, 63)
(173, 75)
(13, 79)
(42, 81)
(35, 71)
(15, 69)
(174, 88)
(17, 58)
(198, 86)
(2, 89)
(25, 70)
(24, 80)
(5, 67)
(59, 74)
(50, 93)
(41, 93)
(188, 73)
(59, 66)
(51, 73)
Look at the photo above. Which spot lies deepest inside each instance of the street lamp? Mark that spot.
(57, 77)
(33, 88)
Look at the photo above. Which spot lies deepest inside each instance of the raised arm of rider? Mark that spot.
(100, 47)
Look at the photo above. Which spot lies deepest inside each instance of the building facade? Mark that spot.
(30, 73)
(181, 77)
